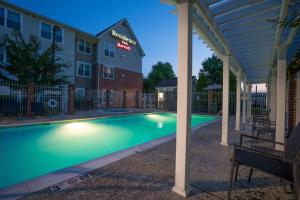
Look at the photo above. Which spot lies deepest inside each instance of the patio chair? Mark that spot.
(38, 108)
(284, 166)
(9, 108)
(263, 126)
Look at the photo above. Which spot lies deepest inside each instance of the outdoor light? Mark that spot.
(161, 95)
(159, 124)
(78, 128)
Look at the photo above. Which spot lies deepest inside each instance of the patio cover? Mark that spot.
(246, 31)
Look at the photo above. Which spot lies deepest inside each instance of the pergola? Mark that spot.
(254, 48)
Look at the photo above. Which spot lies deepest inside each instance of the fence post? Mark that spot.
(71, 96)
(29, 97)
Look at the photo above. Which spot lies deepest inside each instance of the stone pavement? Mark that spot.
(150, 174)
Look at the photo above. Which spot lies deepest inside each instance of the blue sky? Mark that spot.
(152, 22)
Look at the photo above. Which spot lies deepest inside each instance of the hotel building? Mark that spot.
(106, 67)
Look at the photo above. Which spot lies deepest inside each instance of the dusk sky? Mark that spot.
(153, 23)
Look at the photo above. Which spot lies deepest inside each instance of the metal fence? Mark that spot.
(93, 99)
(211, 101)
(20, 100)
(53, 98)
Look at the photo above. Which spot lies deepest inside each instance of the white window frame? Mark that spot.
(80, 89)
(107, 78)
(62, 36)
(6, 17)
(51, 31)
(84, 46)
(110, 46)
(84, 64)
(41, 22)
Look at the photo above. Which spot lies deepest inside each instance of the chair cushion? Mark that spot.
(270, 165)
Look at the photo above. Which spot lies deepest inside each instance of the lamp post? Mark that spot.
(54, 30)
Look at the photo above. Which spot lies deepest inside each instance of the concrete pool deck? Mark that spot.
(150, 174)
(60, 117)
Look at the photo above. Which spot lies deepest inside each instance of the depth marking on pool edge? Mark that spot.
(70, 182)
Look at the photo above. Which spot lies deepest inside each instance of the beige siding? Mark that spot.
(31, 26)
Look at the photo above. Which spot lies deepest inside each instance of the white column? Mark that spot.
(225, 103)
(281, 88)
(273, 94)
(183, 99)
(298, 99)
(238, 101)
(244, 103)
(158, 104)
(249, 90)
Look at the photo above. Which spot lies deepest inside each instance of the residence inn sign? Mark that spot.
(125, 41)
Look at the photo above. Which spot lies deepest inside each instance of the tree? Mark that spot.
(29, 64)
(201, 82)
(213, 72)
(160, 71)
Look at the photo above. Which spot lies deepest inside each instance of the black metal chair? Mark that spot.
(285, 165)
(38, 108)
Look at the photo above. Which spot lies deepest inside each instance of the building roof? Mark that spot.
(44, 18)
(126, 23)
(213, 87)
(168, 83)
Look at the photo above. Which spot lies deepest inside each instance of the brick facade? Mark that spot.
(126, 87)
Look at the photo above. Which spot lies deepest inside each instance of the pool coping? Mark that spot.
(27, 187)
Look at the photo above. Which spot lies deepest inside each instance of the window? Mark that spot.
(107, 94)
(108, 72)
(59, 35)
(84, 46)
(2, 16)
(104, 96)
(87, 48)
(81, 45)
(13, 20)
(84, 69)
(46, 31)
(80, 92)
(109, 50)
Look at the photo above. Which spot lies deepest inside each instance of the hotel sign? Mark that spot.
(125, 41)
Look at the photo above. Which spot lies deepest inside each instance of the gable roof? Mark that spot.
(122, 21)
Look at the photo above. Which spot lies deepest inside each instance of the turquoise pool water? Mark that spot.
(30, 151)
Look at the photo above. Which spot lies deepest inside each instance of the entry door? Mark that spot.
(137, 98)
(124, 99)
(107, 98)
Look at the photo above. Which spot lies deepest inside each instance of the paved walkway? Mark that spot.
(150, 174)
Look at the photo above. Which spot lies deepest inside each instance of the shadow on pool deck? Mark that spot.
(150, 174)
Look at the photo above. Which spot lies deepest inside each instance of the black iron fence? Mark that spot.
(211, 101)
(22, 100)
(94, 99)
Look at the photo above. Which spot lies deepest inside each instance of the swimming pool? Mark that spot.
(31, 151)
